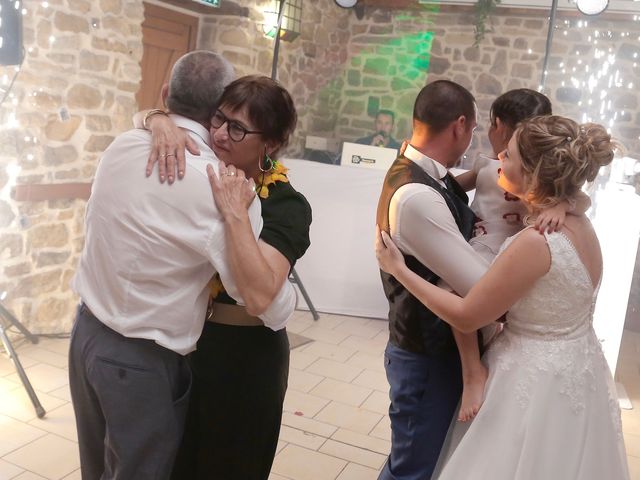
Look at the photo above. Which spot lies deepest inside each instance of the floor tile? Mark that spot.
(353, 471)
(631, 421)
(329, 320)
(16, 404)
(353, 454)
(332, 352)
(349, 417)
(341, 391)
(382, 429)
(634, 468)
(301, 360)
(365, 328)
(341, 418)
(372, 379)
(372, 346)
(362, 441)
(60, 421)
(308, 424)
(50, 456)
(9, 470)
(42, 355)
(368, 361)
(7, 385)
(298, 323)
(62, 393)
(76, 475)
(324, 334)
(632, 443)
(303, 403)
(301, 438)
(303, 381)
(56, 345)
(274, 476)
(7, 367)
(280, 445)
(29, 476)
(377, 402)
(43, 377)
(335, 370)
(16, 434)
(303, 464)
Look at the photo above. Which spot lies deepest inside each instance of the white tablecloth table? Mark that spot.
(339, 270)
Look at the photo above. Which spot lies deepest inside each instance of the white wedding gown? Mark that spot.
(550, 411)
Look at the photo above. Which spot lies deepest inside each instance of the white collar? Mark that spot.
(435, 170)
(193, 126)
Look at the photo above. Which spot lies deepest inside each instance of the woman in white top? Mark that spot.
(499, 216)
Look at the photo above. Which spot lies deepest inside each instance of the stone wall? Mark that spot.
(392, 54)
(74, 94)
(341, 69)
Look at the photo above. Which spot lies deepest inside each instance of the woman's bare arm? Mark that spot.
(510, 277)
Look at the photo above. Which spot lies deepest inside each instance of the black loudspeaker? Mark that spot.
(10, 32)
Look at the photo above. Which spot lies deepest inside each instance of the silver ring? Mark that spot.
(170, 155)
(231, 174)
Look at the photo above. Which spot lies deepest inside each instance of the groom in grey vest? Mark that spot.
(426, 213)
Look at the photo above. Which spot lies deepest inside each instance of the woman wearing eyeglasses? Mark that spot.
(240, 367)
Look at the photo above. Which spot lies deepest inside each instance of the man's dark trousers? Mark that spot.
(424, 392)
(130, 398)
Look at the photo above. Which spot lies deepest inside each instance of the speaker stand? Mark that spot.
(7, 317)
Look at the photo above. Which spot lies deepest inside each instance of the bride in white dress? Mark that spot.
(550, 411)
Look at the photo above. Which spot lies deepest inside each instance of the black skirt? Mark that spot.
(239, 383)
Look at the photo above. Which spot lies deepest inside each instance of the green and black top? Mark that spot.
(286, 216)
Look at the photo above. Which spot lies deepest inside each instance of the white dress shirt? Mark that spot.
(151, 248)
(422, 225)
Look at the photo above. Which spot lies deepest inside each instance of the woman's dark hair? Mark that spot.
(269, 106)
(517, 105)
(441, 102)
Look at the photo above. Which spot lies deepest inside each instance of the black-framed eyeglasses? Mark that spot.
(236, 131)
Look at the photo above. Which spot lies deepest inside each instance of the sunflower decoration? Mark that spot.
(277, 174)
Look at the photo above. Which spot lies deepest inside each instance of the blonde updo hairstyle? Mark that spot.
(559, 156)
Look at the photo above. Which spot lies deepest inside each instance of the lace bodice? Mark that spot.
(561, 302)
(549, 331)
(550, 410)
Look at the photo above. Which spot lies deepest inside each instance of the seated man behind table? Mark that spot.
(382, 136)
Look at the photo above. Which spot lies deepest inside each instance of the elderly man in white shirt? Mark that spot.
(425, 211)
(150, 251)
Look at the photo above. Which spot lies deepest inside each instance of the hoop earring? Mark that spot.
(264, 161)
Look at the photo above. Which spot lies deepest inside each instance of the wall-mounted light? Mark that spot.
(291, 20)
(592, 7)
(346, 3)
(357, 6)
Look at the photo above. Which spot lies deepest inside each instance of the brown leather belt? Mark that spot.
(231, 315)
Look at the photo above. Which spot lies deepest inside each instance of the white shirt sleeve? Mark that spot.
(281, 308)
(422, 225)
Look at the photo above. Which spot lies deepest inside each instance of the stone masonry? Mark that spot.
(74, 94)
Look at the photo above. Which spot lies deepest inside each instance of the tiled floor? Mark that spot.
(335, 425)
